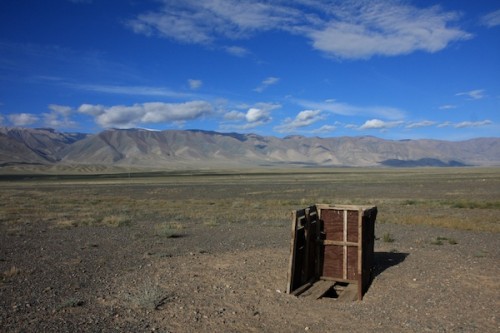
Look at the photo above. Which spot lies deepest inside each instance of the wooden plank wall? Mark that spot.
(349, 244)
(304, 248)
(368, 245)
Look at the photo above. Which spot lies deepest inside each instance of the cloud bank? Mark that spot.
(341, 29)
(122, 116)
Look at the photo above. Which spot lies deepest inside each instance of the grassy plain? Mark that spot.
(169, 202)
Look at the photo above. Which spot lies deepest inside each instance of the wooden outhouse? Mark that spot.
(332, 251)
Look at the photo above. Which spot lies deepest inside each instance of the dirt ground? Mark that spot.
(232, 279)
(111, 274)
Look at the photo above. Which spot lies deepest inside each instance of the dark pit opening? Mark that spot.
(335, 290)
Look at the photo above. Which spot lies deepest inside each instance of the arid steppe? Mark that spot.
(209, 251)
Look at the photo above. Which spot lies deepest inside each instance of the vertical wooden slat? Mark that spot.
(360, 254)
(345, 246)
(291, 268)
(317, 243)
(307, 261)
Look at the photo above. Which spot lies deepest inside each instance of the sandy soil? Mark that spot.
(232, 278)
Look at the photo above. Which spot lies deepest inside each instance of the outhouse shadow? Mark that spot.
(385, 260)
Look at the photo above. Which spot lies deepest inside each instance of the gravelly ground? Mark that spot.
(231, 278)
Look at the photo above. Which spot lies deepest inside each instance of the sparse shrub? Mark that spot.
(388, 238)
(70, 303)
(481, 254)
(459, 205)
(67, 223)
(440, 241)
(409, 202)
(169, 230)
(116, 220)
(148, 295)
(437, 241)
(10, 273)
(211, 222)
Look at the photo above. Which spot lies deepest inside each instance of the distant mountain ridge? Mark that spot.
(34, 145)
(202, 149)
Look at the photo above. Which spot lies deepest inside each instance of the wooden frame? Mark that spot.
(331, 249)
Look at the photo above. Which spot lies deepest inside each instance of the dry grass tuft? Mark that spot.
(116, 220)
(388, 238)
(10, 273)
(148, 295)
(169, 230)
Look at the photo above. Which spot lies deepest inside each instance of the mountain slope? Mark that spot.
(199, 149)
(34, 145)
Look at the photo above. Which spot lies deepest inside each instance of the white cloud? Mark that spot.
(60, 109)
(361, 30)
(255, 115)
(266, 83)
(303, 119)
(54, 120)
(445, 124)
(349, 30)
(379, 124)
(195, 84)
(307, 117)
(237, 51)
(492, 19)
(466, 124)
(345, 109)
(122, 116)
(92, 110)
(234, 116)
(59, 116)
(425, 123)
(131, 90)
(325, 129)
(203, 22)
(22, 119)
(447, 107)
(473, 94)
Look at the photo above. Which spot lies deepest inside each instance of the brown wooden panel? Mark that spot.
(352, 225)
(304, 261)
(318, 289)
(333, 261)
(333, 224)
(352, 263)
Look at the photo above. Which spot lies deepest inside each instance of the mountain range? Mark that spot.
(205, 149)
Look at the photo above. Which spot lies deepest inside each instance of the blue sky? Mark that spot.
(392, 69)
